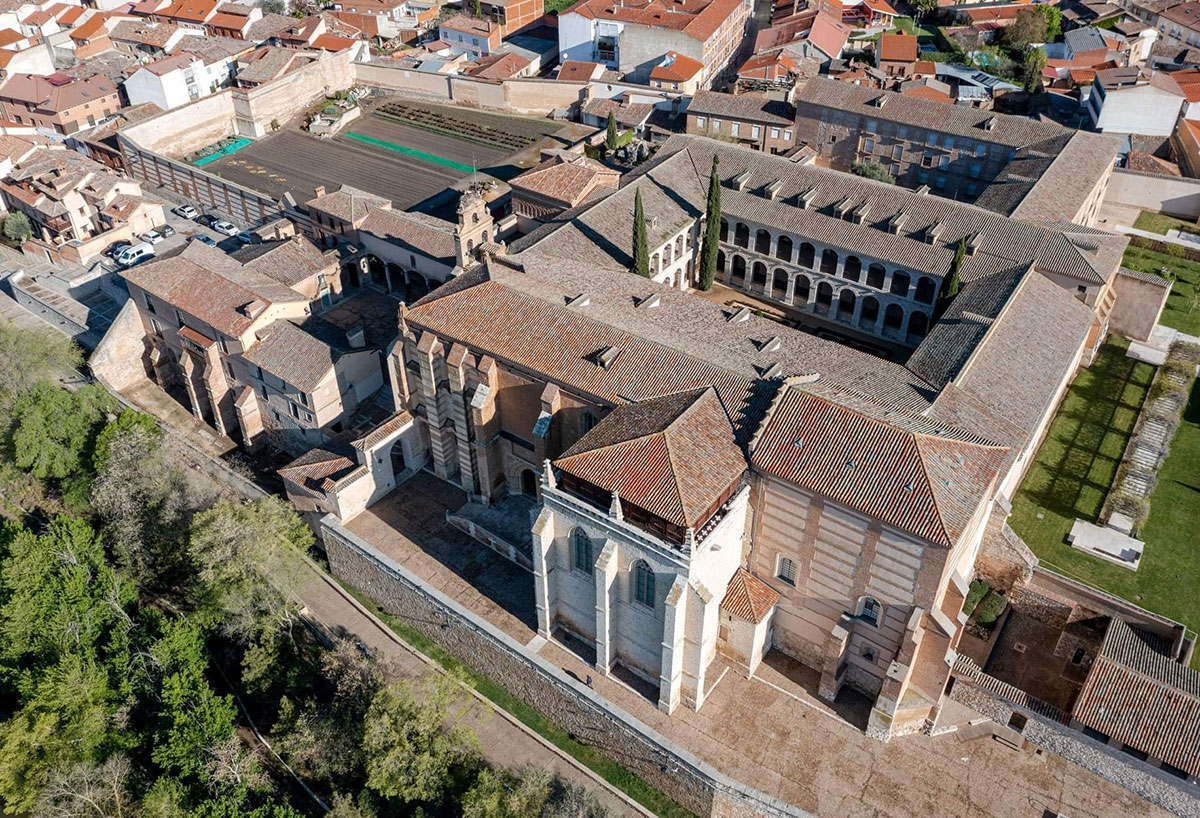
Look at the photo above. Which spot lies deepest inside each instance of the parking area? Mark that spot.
(185, 230)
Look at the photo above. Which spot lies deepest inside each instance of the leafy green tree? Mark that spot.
(274, 7)
(610, 138)
(127, 422)
(247, 561)
(17, 227)
(872, 170)
(495, 794)
(711, 244)
(192, 719)
(1052, 14)
(641, 247)
(1035, 61)
(1029, 26)
(31, 356)
(924, 7)
(414, 742)
(54, 428)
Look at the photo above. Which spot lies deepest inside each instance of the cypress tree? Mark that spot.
(610, 140)
(951, 282)
(712, 231)
(641, 248)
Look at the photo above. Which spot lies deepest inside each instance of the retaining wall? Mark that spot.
(572, 705)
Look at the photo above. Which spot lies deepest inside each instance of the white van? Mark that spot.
(137, 253)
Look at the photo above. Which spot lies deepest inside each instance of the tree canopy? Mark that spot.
(641, 248)
(872, 170)
(710, 246)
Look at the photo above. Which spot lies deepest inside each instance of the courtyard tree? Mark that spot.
(872, 170)
(415, 743)
(610, 137)
(1035, 61)
(17, 227)
(641, 247)
(952, 281)
(712, 230)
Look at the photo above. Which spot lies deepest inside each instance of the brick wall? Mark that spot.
(571, 705)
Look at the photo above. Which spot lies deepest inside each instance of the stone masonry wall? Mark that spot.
(571, 705)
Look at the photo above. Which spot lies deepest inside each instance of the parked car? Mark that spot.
(167, 230)
(151, 236)
(186, 211)
(206, 220)
(116, 247)
(246, 237)
(135, 254)
(202, 239)
(222, 226)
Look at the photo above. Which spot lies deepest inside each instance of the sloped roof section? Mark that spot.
(748, 597)
(921, 477)
(675, 456)
(1138, 695)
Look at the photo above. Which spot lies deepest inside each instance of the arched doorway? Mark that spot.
(875, 276)
(529, 483)
(741, 236)
(829, 260)
(807, 254)
(783, 248)
(926, 290)
(759, 279)
(870, 313)
(395, 277)
(351, 275)
(824, 297)
(762, 242)
(893, 317)
(739, 271)
(852, 269)
(918, 325)
(779, 284)
(802, 291)
(900, 282)
(845, 310)
(377, 271)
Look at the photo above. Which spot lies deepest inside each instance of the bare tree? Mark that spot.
(231, 765)
(87, 791)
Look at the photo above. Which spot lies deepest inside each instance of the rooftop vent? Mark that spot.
(773, 371)
(896, 223)
(932, 232)
(356, 337)
(972, 244)
(880, 101)
(990, 124)
(252, 309)
(804, 200)
(650, 302)
(606, 357)
(842, 208)
(743, 314)
(741, 180)
(581, 300)
(772, 190)
(771, 344)
(860, 213)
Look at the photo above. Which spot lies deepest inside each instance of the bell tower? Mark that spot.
(475, 226)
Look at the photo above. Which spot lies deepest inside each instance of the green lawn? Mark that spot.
(1161, 223)
(1072, 472)
(1183, 304)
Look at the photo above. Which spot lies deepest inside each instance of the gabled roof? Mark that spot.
(302, 357)
(675, 456)
(898, 47)
(914, 474)
(429, 236)
(748, 107)
(748, 597)
(579, 71)
(1138, 695)
(568, 179)
(699, 19)
(676, 67)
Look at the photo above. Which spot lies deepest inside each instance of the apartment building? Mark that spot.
(474, 36)
(1179, 25)
(58, 102)
(1012, 165)
(633, 39)
(168, 82)
(388, 18)
(148, 38)
(512, 15)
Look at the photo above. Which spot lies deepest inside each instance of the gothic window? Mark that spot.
(869, 610)
(643, 584)
(581, 544)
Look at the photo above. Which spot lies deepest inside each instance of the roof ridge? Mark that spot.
(929, 485)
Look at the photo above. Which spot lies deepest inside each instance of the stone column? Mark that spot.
(543, 540)
(835, 650)
(605, 572)
(672, 646)
(790, 296)
(703, 622)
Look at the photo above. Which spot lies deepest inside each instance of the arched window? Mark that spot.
(802, 291)
(926, 290)
(470, 245)
(779, 284)
(739, 270)
(741, 235)
(474, 218)
(829, 261)
(875, 274)
(654, 263)
(900, 282)
(870, 313)
(760, 274)
(678, 246)
(852, 269)
(581, 545)
(824, 297)
(783, 248)
(807, 255)
(893, 316)
(724, 230)
(643, 584)
(869, 610)
(762, 242)
(845, 310)
(721, 261)
(918, 325)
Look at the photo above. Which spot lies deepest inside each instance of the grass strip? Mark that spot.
(611, 771)
(413, 152)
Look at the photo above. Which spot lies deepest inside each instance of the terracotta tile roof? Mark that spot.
(268, 26)
(205, 282)
(829, 35)
(94, 26)
(699, 19)
(38, 18)
(500, 66)
(338, 203)
(748, 597)
(303, 357)
(192, 11)
(288, 261)
(313, 467)
(67, 14)
(914, 474)
(381, 432)
(9, 37)
(578, 71)
(676, 67)
(898, 47)
(1149, 163)
(1138, 695)
(675, 456)
(61, 97)
(428, 236)
(330, 42)
(156, 35)
(746, 107)
(228, 22)
(471, 25)
(631, 115)
(166, 65)
(568, 179)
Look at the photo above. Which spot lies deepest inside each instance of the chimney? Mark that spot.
(355, 337)
(318, 191)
